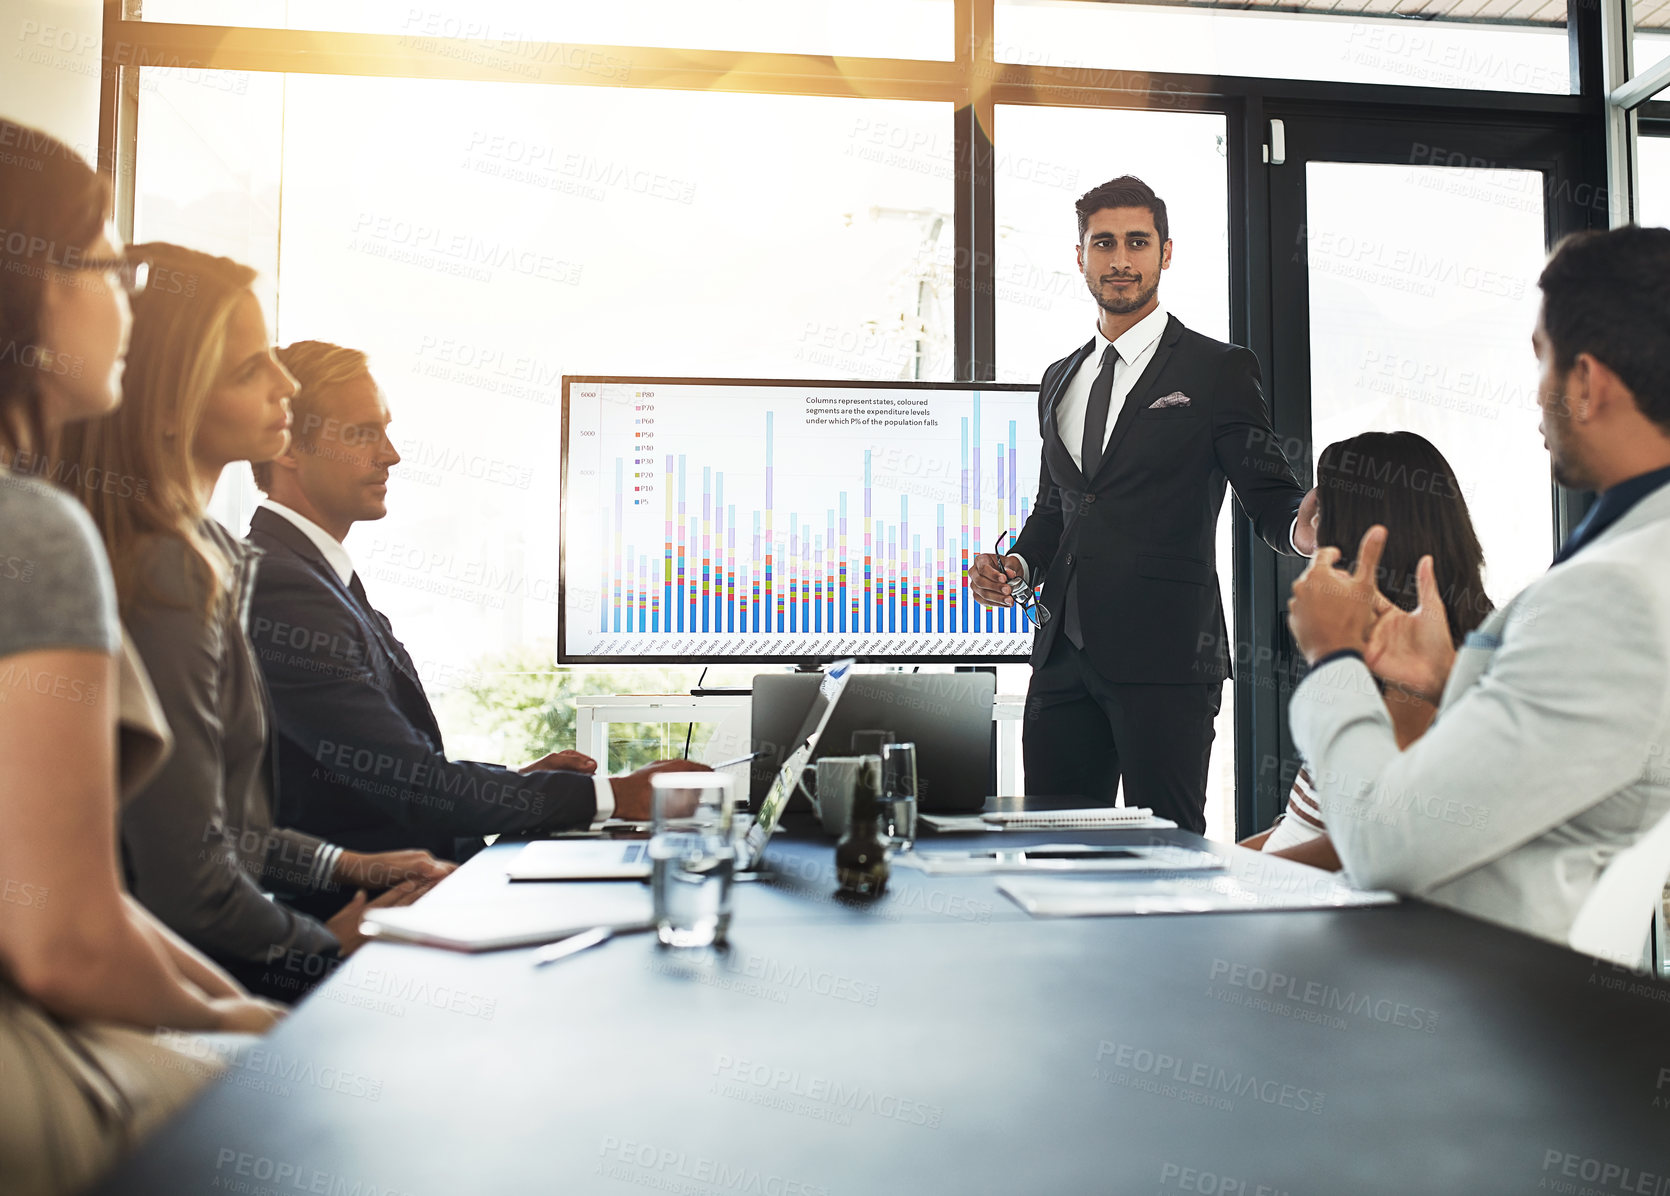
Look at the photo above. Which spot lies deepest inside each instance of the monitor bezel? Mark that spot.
(806, 662)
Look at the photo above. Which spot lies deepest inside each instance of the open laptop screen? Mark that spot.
(804, 744)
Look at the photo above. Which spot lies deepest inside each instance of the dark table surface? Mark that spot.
(941, 1040)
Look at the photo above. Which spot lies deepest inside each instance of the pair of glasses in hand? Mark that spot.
(1024, 595)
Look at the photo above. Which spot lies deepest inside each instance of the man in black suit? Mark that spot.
(1142, 426)
(361, 760)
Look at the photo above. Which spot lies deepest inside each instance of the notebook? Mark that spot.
(557, 859)
(492, 926)
(1094, 818)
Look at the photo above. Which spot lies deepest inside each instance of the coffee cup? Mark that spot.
(837, 781)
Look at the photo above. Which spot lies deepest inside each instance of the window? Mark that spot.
(1046, 159)
(1433, 335)
(480, 240)
(1652, 37)
(1654, 163)
(515, 34)
(1348, 42)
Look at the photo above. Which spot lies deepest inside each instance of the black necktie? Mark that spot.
(1096, 416)
(1090, 459)
(383, 632)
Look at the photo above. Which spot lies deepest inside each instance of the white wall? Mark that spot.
(49, 68)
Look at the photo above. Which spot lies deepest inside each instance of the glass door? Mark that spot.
(1404, 291)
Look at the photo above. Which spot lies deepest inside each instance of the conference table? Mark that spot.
(940, 1039)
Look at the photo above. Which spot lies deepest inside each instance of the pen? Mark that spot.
(738, 760)
(573, 945)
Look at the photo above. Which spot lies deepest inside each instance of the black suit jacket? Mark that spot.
(361, 762)
(1141, 534)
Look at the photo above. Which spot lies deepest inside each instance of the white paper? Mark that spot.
(1061, 857)
(1048, 897)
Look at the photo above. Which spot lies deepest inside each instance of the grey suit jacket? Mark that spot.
(198, 840)
(1549, 755)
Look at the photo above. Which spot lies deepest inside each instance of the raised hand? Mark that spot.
(1413, 649)
(1330, 609)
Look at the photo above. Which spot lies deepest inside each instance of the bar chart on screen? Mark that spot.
(790, 520)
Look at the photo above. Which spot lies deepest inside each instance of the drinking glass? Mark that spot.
(692, 850)
(898, 794)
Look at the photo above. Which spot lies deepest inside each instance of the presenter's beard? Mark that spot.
(1121, 305)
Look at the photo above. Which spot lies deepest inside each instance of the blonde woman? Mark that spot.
(87, 977)
(203, 390)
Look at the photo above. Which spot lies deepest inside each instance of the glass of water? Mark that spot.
(692, 851)
(898, 794)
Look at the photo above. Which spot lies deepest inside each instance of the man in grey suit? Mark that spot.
(1548, 755)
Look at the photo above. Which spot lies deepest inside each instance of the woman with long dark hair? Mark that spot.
(1401, 481)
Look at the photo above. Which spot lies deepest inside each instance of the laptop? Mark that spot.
(948, 716)
(556, 859)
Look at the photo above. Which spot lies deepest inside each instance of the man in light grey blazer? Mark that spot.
(1550, 753)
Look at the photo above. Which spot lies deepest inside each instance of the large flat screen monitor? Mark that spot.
(768, 520)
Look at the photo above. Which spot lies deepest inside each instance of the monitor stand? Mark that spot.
(808, 664)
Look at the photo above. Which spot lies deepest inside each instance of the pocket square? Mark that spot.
(1175, 399)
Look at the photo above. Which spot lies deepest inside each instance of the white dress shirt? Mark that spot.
(1136, 347)
(337, 557)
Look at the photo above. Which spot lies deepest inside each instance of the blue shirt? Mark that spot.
(1610, 507)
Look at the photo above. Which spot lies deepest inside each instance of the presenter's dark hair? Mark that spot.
(1401, 480)
(52, 209)
(1126, 191)
(1608, 294)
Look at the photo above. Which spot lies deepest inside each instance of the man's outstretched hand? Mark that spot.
(632, 794)
(564, 761)
(989, 576)
(1304, 526)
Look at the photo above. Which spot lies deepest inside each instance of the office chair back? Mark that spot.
(1614, 920)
